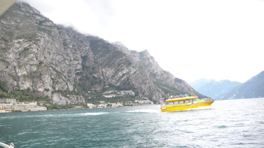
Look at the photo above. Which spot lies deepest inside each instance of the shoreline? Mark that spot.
(17, 111)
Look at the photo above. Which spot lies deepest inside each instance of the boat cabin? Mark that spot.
(182, 102)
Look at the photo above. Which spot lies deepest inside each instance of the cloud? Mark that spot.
(216, 39)
(42, 6)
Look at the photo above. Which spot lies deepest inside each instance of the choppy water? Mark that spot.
(229, 123)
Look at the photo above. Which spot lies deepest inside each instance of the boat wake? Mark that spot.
(93, 114)
(199, 108)
(57, 115)
(144, 111)
(80, 114)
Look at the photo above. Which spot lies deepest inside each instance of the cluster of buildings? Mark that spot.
(60, 102)
(10, 104)
(103, 104)
(143, 102)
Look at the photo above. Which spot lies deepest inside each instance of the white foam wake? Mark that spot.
(93, 114)
(144, 111)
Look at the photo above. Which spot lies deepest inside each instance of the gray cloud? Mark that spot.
(42, 6)
(102, 8)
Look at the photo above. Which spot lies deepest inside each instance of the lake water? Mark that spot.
(228, 123)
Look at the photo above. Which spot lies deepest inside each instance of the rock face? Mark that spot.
(164, 81)
(58, 62)
(253, 88)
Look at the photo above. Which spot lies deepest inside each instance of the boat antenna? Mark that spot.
(192, 94)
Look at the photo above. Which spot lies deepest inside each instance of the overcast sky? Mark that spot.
(192, 39)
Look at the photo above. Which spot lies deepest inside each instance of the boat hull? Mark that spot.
(178, 107)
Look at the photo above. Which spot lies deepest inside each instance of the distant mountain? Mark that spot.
(218, 89)
(253, 88)
(197, 84)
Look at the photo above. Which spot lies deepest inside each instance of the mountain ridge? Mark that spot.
(38, 57)
(253, 88)
(218, 89)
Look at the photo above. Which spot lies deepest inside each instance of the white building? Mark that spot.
(8, 100)
(23, 107)
(109, 92)
(33, 103)
(90, 105)
(102, 106)
(60, 102)
(126, 92)
(118, 104)
(109, 96)
(144, 102)
(102, 102)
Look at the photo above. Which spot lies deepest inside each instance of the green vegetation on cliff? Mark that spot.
(49, 61)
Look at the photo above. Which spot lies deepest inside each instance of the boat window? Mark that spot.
(181, 102)
(186, 101)
(176, 102)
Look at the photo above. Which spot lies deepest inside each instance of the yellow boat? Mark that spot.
(183, 103)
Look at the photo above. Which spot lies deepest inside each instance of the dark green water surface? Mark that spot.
(229, 123)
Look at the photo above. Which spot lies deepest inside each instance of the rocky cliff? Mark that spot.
(58, 62)
(161, 79)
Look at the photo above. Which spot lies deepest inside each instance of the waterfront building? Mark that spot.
(102, 106)
(126, 92)
(141, 102)
(90, 105)
(60, 102)
(118, 104)
(102, 102)
(8, 100)
(109, 96)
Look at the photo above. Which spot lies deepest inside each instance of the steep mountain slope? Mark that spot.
(33, 55)
(40, 58)
(218, 89)
(162, 79)
(253, 88)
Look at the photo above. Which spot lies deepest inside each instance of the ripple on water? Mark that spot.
(222, 126)
(225, 125)
(144, 111)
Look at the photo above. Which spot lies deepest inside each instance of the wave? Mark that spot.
(56, 115)
(23, 133)
(198, 108)
(77, 114)
(93, 114)
(144, 111)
